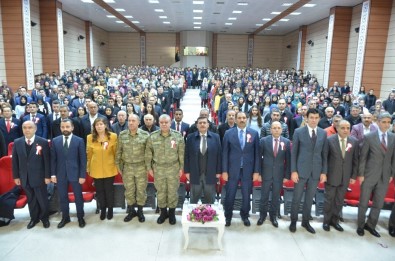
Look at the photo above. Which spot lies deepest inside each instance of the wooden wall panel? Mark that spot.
(376, 42)
(100, 52)
(49, 36)
(290, 55)
(124, 48)
(232, 50)
(268, 51)
(314, 58)
(3, 73)
(74, 49)
(160, 48)
(340, 40)
(14, 56)
(388, 79)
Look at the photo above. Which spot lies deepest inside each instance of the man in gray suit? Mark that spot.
(376, 163)
(308, 167)
(343, 156)
(275, 166)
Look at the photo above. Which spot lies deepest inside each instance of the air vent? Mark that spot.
(217, 13)
(220, 3)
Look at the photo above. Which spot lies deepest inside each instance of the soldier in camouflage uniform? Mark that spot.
(165, 160)
(131, 163)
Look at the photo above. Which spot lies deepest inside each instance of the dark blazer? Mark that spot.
(374, 162)
(35, 166)
(222, 128)
(341, 170)
(15, 131)
(68, 166)
(279, 167)
(3, 147)
(232, 154)
(76, 103)
(55, 129)
(184, 128)
(307, 159)
(41, 123)
(214, 157)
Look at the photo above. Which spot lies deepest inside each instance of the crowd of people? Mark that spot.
(128, 120)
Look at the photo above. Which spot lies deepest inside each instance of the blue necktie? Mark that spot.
(241, 139)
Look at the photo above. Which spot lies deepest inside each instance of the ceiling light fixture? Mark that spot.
(87, 1)
(153, 1)
(258, 24)
(266, 19)
(163, 17)
(110, 16)
(135, 22)
(242, 3)
(166, 22)
(128, 16)
(120, 22)
(228, 23)
(198, 11)
(286, 4)
(275, 13)
(197, 18)
(197, 27)
(295, 13)
(232, 18)
(159, 10)
(197, 23)
(284, 20)
(309, 5)
(236, 12)
(120, 9)
(198, 2)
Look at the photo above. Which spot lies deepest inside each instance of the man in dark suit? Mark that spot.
(276, 166)
(308, 167)
(9, 126)
(121, 124)
(88, 119)
(230, 123)
(31, 169)
(53, 116)
(38, 119)
(80, 101)
(240, 162)
(343, 153)
(178, 124)
(202, 162)
(211, 126)
(376, 170)
(3, 148)
(328, 119)
(68, 166)
(64, 114)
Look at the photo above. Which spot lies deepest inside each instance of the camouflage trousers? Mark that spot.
(135, 180)
(166, 183)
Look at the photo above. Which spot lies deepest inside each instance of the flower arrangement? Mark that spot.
(202, 213)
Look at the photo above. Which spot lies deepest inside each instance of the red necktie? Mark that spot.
(28, 142)
(275, 147)
(383, 144)
(178, 126)
(8, 125)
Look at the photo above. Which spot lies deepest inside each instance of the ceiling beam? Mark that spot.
(117, 15)
(277, 18)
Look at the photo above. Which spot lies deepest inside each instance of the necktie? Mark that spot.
(56, 116)
(343, 148)
(241, 139)
(178, 126)
(28, 142)
(275, 147)
(204, 144)
(383, 144)
(8, 125)
(34, 118)
(65, 144)
(313, 136)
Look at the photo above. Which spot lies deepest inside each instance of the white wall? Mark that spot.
(232, 50)
(124, 48)
(196, 39)
(315, 55)
(74, 50)
(353, 44)
(388, 80)
(36, 37)
(3, 74)
(100, 52)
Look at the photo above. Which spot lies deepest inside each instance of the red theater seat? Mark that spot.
(7, 181)
(10, 146)
(88, 191)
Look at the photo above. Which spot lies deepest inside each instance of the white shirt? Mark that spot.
(92, 119)
(366, 130)
(311, 131)
(31, 139)
(274, 143)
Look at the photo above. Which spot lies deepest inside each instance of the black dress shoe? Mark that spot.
(337, 227)
(292, 227)
(31, 224)
(360, 232)
(260, 221)
(63, 222)
(110, 213)
(227, 223)
(391, 231)
(308, 227)
(246, 222)
(45, 223)
(310, 218)
(341, 219)
(372, 231)
(274, 222)
(81, 222)
(326, 227)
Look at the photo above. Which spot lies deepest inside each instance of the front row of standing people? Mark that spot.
(337, 160)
